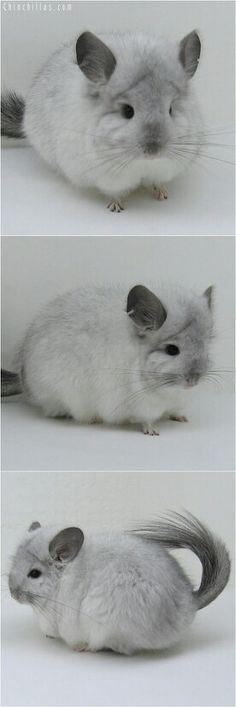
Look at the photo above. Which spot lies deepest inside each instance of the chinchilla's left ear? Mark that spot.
(145, 309)
(189, 53)
(65, 545)
(34, 526)
(94, 58)
(208, 294)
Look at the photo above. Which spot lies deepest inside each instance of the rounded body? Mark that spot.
(121, 593)
(77, 128)
(84, 357)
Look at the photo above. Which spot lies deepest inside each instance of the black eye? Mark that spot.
(170, 110)
(127, 111)
(172, 350)
(34, 574)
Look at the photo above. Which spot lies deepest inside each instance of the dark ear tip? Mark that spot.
(197, 39)
(133, 295)
(189, 53)
(84, 37)
(81, 46)
(209, 294)
(34, 526)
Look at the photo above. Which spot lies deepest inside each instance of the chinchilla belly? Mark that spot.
(125, 606)
(153, 406)
(113, 179)
(66, 386)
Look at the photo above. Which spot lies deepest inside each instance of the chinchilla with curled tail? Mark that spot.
(113, 112)
(121, 591)
(96, 354)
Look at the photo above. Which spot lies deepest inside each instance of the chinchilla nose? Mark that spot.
(15, 591)
(192, 379)
(151, 147)
(152, 138)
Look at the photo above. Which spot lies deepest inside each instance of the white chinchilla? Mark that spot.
(113, 112)
(95, 354)
(121, 591)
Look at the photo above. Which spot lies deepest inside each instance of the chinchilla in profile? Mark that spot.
(95, 354)
(119, 591)
(113, 112)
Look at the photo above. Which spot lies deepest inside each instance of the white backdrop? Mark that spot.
(34, 270)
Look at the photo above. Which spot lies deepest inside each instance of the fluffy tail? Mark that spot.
(10, 384)
(12, 113)
(177, 531)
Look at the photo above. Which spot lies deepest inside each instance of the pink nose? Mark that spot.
(192, 380)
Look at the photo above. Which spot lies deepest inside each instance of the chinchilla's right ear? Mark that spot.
(65, 545)
(94, 58)
(189, 53)
(145, 309)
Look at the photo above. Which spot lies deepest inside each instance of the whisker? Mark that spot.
(198, 154)
(67, 606)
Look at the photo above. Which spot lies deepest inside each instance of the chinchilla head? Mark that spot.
(140, 89)
(175, 333)
(39, 561)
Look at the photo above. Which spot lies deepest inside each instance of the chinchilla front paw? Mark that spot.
(150, 429)
(160, 193)
(115, 206)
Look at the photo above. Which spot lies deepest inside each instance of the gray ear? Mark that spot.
(208, 294)
(34, 526)
(95, 59)
(145, 308)
(66, 544)
(189, 53)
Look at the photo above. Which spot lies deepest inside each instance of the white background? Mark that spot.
(201, 201)
(36, 269)
(201, 667)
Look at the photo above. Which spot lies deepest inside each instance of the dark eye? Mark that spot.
(127, 111)
(170, 110)
(172, 350)
(34, 574)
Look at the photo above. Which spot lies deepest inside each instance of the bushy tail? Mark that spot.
(10, 384)
(12, 113)
(177, 531)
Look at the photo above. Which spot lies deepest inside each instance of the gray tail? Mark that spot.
(12, 113)
(10, 384)
(177, 531)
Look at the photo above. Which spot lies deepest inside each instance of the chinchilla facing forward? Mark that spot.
(121, 591)
(113, 112)
(96, 354)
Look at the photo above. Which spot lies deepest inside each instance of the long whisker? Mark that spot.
(61, 604)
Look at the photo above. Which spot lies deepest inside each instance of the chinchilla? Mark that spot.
(95, 354)
(121, 591)
(113, 112)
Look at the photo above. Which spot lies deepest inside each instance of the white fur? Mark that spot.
(77, 127)
(120, 592)
(84, 357)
